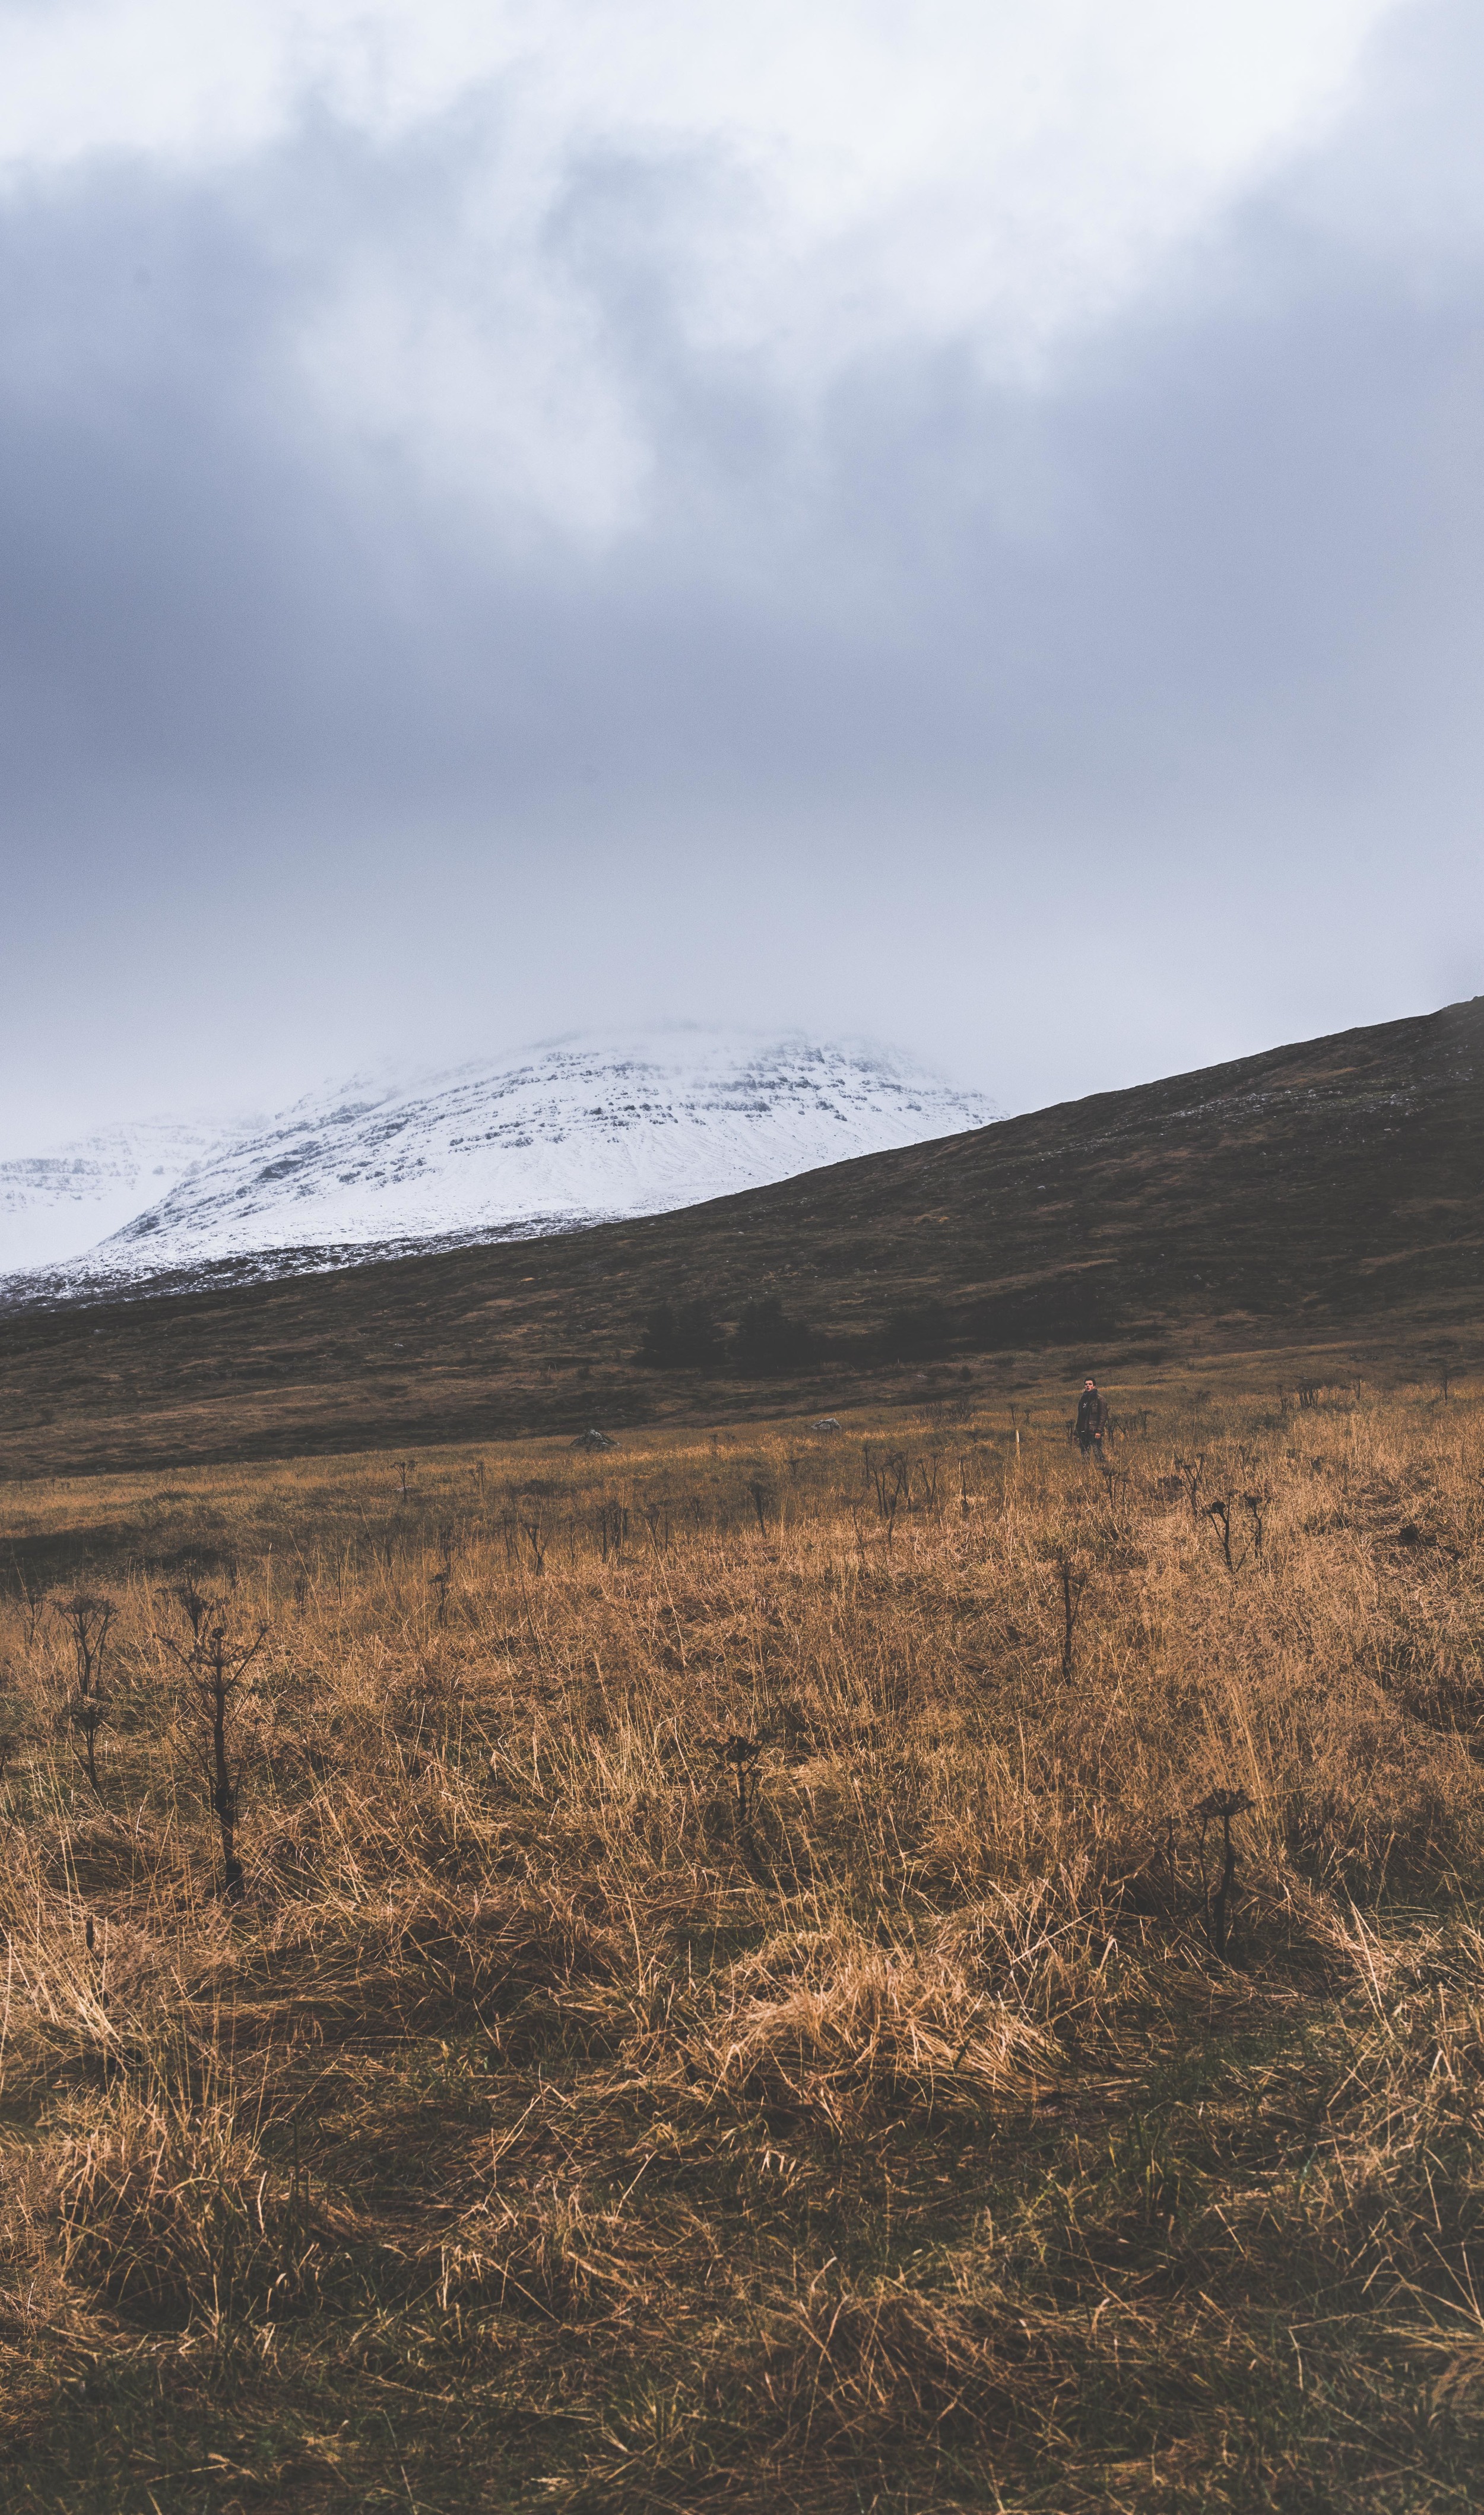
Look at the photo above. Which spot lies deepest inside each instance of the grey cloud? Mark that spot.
(898, 715)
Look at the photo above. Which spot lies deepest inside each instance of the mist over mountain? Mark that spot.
(578, 1130)
(56, 1204)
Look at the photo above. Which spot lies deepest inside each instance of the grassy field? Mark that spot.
(729, 1997)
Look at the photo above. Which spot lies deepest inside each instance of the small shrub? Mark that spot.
(766, 1340)
(682, 1336)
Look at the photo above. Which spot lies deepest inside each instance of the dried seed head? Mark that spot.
(1225, 1804)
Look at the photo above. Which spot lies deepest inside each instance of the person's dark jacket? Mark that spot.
(1092, 1414)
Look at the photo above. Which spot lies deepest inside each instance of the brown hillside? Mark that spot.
(1330, 1194)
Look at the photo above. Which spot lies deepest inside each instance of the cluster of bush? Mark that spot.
(687, 1335)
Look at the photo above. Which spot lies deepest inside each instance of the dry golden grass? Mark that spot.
(722, 2013)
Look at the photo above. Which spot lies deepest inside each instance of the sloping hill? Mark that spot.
(1328, 1191)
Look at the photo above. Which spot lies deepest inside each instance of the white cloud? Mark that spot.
(854, 177)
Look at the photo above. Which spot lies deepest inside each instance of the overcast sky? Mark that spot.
(958, 521)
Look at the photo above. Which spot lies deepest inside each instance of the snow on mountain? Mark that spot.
(586, 1129)
(56, 1204)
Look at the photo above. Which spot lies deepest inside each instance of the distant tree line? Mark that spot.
(1061, 1309)
(689, 1336)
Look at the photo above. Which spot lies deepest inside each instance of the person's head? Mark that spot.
(1091, 1382)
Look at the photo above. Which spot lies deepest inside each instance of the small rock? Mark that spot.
(593, 1439)
(825, 1424)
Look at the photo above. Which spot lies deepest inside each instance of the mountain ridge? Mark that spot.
(1325, 1198)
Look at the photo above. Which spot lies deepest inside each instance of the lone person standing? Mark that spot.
(1092, 1419)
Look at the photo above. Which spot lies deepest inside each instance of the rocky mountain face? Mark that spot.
(580, 1132)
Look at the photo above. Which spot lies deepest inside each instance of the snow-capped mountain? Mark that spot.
(56, 1204)
(586, 1129)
